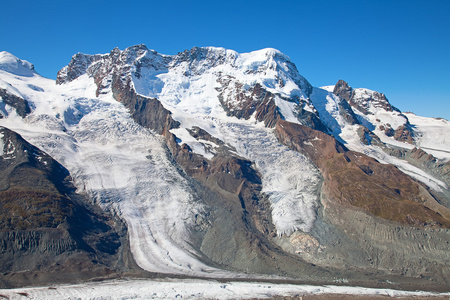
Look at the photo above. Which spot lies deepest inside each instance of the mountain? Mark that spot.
(225, 165)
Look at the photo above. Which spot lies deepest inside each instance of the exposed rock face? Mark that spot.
(363, 100)
(147, 112)
(19, 104)
(343, 90)
(374, 224)
(256, 99)
(347, 112)
(47, 229)
(355, 179)
(118, 68)
(424, 160)
(367, 137)
(405, 134)
(370, 103)
(358, 191)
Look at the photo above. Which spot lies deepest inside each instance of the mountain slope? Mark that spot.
(45, 228)
(184, 149)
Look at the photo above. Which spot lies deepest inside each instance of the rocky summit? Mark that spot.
(216, 164)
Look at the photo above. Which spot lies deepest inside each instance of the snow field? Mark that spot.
(125, 168)
(192, 289)
(289, 179)
(434, 135)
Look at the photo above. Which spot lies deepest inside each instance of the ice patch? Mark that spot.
(2, 144)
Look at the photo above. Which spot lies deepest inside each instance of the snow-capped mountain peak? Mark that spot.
(203, 79)
(14, 65)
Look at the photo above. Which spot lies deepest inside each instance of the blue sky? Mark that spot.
(397, 47)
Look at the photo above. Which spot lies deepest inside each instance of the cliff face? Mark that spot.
(376, 205)
(46, 230)
(355, 179)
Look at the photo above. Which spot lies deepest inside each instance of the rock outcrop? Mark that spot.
(19, 104)
(386, 216)
(46, 229)
(357, 180)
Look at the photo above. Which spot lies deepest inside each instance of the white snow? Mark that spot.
(124, 167)
(195, 289)
(434, 135)
(288, 178)
(12, 64)
(326, 104)
(2, 144)
(192, 87)
(377, 115)
(328, 88)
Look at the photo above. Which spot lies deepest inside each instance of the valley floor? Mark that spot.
(207, 289)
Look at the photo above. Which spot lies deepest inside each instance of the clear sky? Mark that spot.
(397, 47)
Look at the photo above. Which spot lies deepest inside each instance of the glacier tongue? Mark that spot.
(124, 168)
(290, 180)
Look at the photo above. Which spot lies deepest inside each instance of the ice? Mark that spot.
(433, 135)
(2, 144)
(125, 168)
(199, 289)
(288, 178)
(327, 105)
(192, 86)
(12, 64)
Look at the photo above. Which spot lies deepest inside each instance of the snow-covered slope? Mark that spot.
(11, 64)
(432, 135)
(202, 289)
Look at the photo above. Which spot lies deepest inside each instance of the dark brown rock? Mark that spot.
(405, 134)
(19, 104)
(367, 137)
(357, 180)
(343, 90)
(46, 229)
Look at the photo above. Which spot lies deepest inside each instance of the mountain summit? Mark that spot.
(224, 164)
(13, 65)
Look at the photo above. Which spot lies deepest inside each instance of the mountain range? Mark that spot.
(216, 164)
